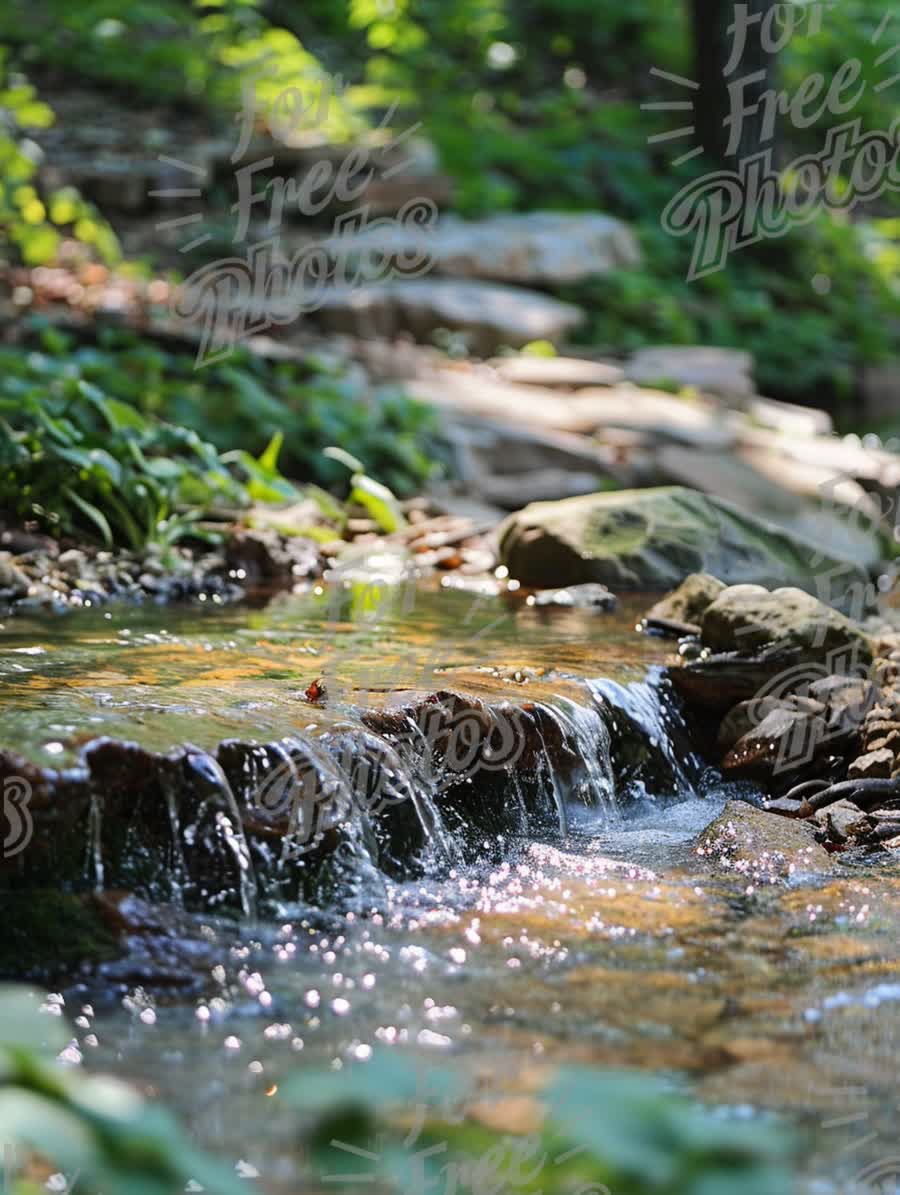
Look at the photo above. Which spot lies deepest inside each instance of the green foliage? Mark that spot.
(83, 462)
(808, 343)
(246, 400)
(30, 221)
(113, 442)
(618, 1132)
(98, 1132)
(371, 495)
(173, 51)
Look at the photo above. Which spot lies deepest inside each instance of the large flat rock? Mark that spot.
(537, 248)
(567, 373)
(487, 315)
(727, 372)
(662, 416)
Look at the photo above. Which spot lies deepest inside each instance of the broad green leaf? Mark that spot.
(378, 501)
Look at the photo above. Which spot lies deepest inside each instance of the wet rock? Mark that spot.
(727, 372)
(652, 539)
(160, 946)
(843, 821)
(787, 807)
(875, 765)
(264, 556)
(688, 631)
(785, 741)
(744, 718)
(690, 601)
(581, 597)
(749, 617)
(721, 681)
(762, 846)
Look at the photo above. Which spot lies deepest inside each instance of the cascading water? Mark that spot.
(650, 742)
(95, 843)
(228, 823)
(586, 735)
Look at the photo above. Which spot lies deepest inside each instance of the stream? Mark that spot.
(581, 926)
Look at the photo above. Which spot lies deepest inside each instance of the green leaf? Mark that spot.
(378, 501)
(48, 1128)
(269, 458)
(97, 517)
(338, 454)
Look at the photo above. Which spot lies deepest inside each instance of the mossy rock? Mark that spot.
(690, 600)
(748, 618)
(653, 539)
(46, 934)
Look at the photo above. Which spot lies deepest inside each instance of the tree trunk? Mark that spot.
(716, 69)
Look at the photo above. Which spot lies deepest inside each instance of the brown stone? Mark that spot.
(690, 601)
(843, 820)
(762, 845)
(783, 742)
(876, 765)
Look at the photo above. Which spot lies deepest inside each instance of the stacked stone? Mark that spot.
(880, 736)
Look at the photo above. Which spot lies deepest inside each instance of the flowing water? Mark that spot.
(584, 928)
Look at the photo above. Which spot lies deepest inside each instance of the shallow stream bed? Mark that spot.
(602, 939)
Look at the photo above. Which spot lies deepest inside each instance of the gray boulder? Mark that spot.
(748, 618)
(652, 539)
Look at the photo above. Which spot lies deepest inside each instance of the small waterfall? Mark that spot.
(94, 868)
(229, 825)
(586, 735)
(646, 724)
(179, 864)
(314, 793)
(425, 784)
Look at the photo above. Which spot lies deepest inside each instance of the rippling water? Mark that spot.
(603, 940)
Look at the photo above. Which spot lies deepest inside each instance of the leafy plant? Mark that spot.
(97, 1131)
(368, 493)
(30, 221)
(83, 462)
(604, 1131)
(248, 400)
(808, 343)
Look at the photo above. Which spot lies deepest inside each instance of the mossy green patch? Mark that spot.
(45, 934)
